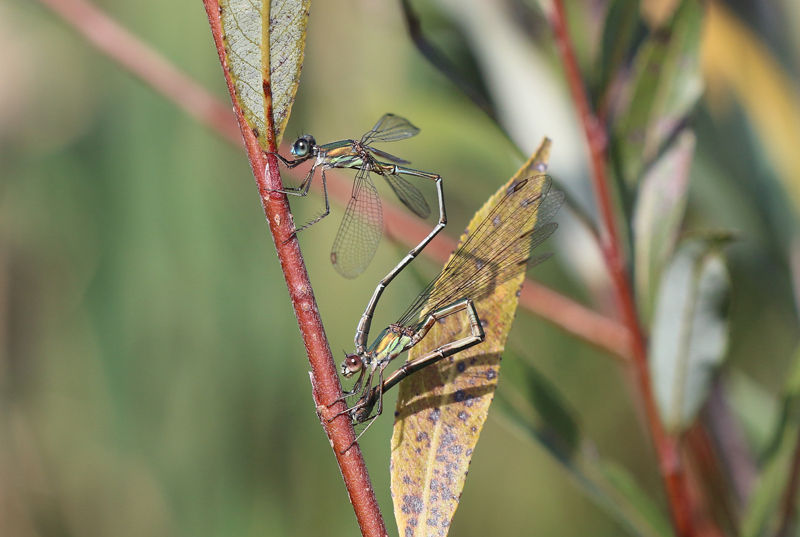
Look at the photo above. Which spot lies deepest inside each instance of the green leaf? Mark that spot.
(665, 86)
(658, 215)
(764, 511)
(756, 410)
(689, 330)
(639, 502)
(620, 23)
(441, 409)
(265, 59)
(558, 421)
(536, 404)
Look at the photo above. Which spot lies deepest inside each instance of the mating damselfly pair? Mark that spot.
(496, 251)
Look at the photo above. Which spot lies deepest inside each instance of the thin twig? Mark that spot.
(111, 38)
(326, 387)
(151, 67)
(666, 446)
(440, 62)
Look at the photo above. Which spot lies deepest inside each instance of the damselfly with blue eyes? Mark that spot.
(361, 227)
(498, 250)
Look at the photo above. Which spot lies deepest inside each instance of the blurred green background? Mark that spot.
(152, 379)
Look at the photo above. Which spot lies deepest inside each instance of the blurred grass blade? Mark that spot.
(639, 502)
(558, 421)
(665, 86)
(537, 406)
(251, 46)
(658, 215)
(441, 409)
(620, 24)
(539, 411)
(689, 330)
(763, 513)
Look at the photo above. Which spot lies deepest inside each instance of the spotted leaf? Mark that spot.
(441, 409)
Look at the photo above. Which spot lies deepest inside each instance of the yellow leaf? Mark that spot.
(251, 47)
(736, 62)
(441, 409)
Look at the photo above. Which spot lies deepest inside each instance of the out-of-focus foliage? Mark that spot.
(689, 338)
(658, 217)
(763, 514)
(152, 378)
(665, 84)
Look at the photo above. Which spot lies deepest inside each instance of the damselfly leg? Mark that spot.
(496, 250)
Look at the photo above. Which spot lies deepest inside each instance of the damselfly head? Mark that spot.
(303, 146)
(351, 365)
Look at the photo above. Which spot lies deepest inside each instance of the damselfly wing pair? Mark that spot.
(495, 252)
(362, 224)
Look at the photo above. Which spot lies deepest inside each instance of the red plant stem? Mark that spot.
(126, 49)
(666, 446)
(788, 523)
(129, 51)
(326, 387)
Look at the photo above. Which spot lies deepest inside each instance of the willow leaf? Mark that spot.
(441, 409)
(265, 59)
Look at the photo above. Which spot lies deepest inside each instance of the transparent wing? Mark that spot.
(389, 157)
(497, 250)
(409, 195)
(360, 230)
(390, 128)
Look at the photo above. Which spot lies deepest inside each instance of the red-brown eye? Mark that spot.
(353, 363)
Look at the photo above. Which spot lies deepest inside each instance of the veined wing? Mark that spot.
(409, 195)
(390, 128)
(360, 230)
(497, 250)
(387, 156)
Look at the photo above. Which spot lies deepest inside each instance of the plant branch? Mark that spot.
(326, 388)
(151, 67)
(666, 446)
(121, 46)
(440, 62)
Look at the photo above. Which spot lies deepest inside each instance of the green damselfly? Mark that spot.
(362, 224)
(498, 250)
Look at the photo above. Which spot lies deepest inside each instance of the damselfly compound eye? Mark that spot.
(354, 363)
(301, 147)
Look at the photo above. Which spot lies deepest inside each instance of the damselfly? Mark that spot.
(361, 227)
(498, 250)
